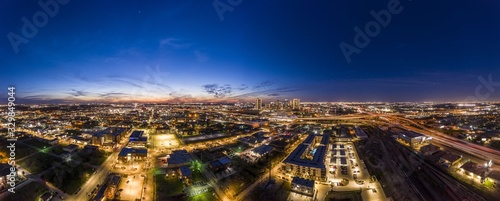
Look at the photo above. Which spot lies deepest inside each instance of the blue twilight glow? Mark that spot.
(182, 51)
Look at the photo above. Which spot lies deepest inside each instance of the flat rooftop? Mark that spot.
(318, 157)
(136, 134)
(179, 157)
(411, 134)
(115, 131)
(451, 157)
(303, 182)
(360, 133)
(125, 151)
(475, 168)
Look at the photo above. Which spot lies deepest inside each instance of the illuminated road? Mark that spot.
(470, 148)
(97, 178)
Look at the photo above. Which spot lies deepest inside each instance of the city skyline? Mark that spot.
(142, 52)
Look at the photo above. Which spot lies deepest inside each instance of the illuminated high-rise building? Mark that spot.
(258, 104)
(296, 104)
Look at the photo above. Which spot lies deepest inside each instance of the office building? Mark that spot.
(258, 104)
(296, 104)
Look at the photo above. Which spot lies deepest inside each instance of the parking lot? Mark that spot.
(343, 163)
(346, 172)
(130, 187)
(164, 141)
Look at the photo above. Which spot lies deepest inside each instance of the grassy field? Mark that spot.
(207, 196)
(36, 143)
(39, 162)
(167, 187)
(68, 178)
(21, 150)
(96, 158)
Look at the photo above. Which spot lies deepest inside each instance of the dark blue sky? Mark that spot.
(182, 51)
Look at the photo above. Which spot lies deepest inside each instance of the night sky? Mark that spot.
(184, 51)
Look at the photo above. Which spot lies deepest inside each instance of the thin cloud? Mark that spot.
(280, 91)
(77, 93)
(218, 91)
(174, 42)
(263, 85)
(242, 87)
(200, 56)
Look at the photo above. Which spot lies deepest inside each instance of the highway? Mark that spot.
(470, 148)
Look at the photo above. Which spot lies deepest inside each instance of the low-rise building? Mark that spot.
(303, 186)
(429, 149)
(413, 138)
(450, 159)
(80, 140)
(220, 164)
(108, 136)
(141, 142)
(360, 133)
(136, 135)
(112, 186)
(280, 145)
(494, 175)
(185, 172)
(262, 150)
(130, 154)
(474, 170)
(178, 158)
